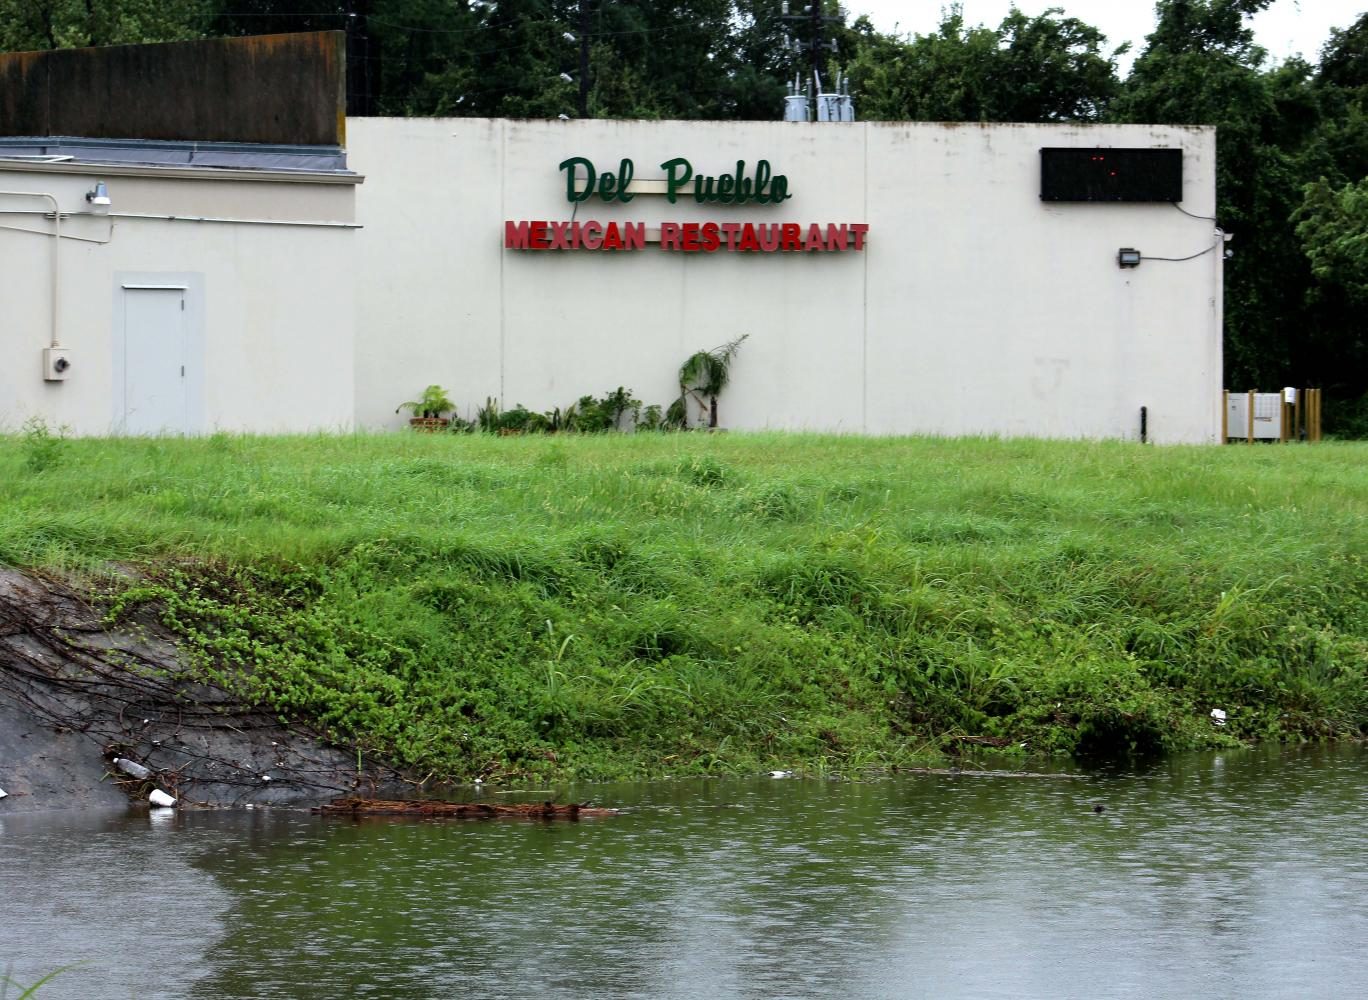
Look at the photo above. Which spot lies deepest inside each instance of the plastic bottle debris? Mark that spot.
(781, 774)
(132, 768)
(1218, 716)
(161, 799)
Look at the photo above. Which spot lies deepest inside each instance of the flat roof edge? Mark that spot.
(33, 165)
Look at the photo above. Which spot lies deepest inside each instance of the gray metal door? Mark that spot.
(154, 387)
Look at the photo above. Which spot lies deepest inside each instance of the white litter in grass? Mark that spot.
(1218, 716)
(132, 767)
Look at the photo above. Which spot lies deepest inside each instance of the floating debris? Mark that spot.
(132, 768)
(160, 799)
(427, 808)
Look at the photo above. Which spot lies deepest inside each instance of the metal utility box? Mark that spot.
(56, 363)
(1268, 416)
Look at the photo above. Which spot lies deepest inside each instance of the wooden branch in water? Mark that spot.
(426, 808)
(958, 772)
(985, 741)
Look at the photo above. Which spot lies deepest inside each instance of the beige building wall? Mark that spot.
(266, 263)
(975, 308)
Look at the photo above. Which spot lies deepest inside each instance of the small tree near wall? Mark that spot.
(702, 378)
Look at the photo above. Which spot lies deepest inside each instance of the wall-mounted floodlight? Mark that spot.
(1128, 257)
(98, 195)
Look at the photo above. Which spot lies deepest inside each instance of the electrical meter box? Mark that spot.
(56, 363)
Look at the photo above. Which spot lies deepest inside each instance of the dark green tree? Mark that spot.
(1333, 229)
(1028, 69)
(27, 25)
(762, 62)
(654, 60)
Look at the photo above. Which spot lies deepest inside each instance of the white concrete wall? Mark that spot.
(976, 308)
(272, 305)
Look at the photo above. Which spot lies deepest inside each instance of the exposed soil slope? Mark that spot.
(74, 695)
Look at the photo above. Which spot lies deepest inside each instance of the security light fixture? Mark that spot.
(98, 195)
(1128, 257)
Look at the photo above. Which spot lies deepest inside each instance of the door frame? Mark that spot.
(191, 286)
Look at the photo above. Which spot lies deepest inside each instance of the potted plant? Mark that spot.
(428, 408)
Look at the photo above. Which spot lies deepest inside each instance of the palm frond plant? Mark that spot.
(428, 408)
(703, 377)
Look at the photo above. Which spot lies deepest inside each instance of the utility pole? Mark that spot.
(360, 56)
(815, 23)
(584, 58)
(816, 41)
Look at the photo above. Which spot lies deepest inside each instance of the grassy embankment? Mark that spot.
(626, 605)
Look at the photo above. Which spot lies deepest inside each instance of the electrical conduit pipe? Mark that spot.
(56, 245)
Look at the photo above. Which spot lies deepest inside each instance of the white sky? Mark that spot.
(1286, 28)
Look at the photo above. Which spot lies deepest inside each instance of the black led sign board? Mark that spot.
(1111, 174)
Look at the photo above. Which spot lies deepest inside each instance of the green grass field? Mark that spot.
(604, 606)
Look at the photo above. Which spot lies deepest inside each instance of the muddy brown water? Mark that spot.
(1232, 875)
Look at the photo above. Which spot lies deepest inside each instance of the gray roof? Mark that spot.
(169, 153)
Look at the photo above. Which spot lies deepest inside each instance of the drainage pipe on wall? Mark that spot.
(56, 248)
(315, 224)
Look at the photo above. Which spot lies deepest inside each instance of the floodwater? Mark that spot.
(1233, 875)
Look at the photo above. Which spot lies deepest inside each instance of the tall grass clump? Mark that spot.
(645, 604)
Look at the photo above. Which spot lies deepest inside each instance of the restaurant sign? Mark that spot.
(728, 189)
(758, 185)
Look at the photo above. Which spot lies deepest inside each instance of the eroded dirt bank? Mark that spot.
(75, 694)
